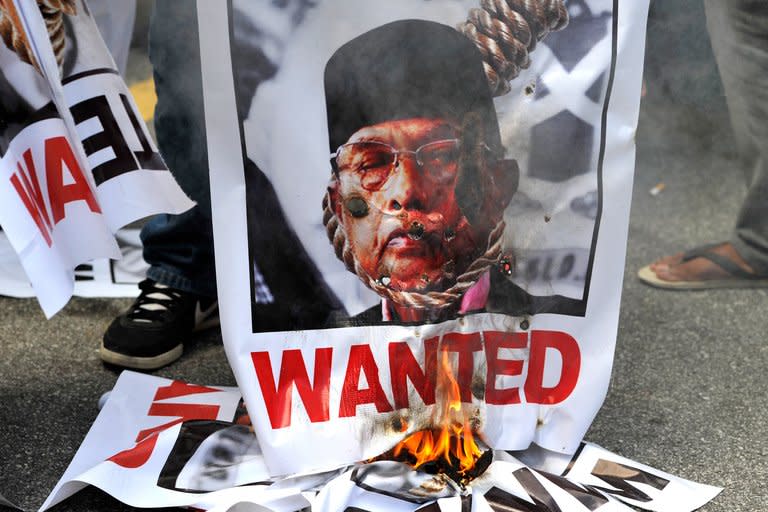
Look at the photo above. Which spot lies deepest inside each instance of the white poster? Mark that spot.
(437, 196)
(77, 161)
(97, 278)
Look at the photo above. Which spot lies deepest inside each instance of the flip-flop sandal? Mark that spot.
(740, 278)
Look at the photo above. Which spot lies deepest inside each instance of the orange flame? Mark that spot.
(452, 439)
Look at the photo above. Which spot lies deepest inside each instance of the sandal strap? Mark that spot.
(726, 264)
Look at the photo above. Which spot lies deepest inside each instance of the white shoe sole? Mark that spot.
(648, 276)
(140, 363)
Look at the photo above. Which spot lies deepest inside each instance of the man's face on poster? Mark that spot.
(395, 193)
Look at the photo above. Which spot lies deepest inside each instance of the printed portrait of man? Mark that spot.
(415, 204)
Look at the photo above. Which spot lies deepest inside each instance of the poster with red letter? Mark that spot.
(77, 160)
(421, 212)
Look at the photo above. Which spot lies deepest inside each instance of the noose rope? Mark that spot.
(53, 12)
(506, 32)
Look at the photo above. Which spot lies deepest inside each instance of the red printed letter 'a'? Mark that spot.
(293, 372)
(361, 361)
(57, 154)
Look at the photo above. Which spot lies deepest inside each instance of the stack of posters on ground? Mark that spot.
(163, 443)
(77, 161)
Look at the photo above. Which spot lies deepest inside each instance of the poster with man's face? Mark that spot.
(434, 199)
(413, 188)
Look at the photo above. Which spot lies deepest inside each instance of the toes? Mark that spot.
(667, 261)
(675, 268)
(666, 273)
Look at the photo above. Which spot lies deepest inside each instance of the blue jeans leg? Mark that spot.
(179, 248)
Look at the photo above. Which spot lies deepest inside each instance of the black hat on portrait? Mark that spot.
(407, 69)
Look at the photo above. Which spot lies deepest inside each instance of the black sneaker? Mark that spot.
(150, 334)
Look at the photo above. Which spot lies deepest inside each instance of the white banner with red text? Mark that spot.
(436, 195)
(77, 160)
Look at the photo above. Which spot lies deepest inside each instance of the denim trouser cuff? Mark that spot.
(169, 277)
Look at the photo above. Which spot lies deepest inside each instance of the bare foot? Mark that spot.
(673, 268)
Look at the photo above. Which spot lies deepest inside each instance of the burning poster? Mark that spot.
(77, 161)
(436, 195)
(163, 443)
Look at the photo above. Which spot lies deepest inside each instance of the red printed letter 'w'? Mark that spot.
(293, 372)
(28, 187)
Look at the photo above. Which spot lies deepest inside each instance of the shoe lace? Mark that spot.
(154, 302)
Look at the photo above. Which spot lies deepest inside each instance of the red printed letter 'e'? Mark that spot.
(535, 392)
(293, 372)
(494, 341)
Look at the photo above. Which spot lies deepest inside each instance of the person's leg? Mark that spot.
(179, 294)
(737, 31)
(179, 248)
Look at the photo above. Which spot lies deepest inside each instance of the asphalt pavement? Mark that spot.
(688, 395)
